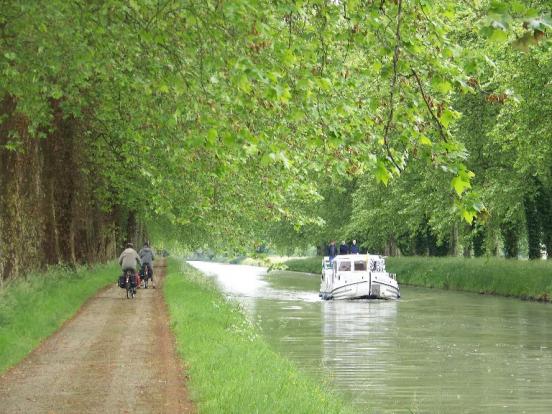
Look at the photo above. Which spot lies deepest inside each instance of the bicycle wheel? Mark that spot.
(128, 288)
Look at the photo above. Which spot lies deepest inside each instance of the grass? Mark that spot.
(306, 265)
(34, 308)
(517, 278)
(231, 369)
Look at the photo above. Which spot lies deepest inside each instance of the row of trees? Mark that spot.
(231, 123)
(506, 128)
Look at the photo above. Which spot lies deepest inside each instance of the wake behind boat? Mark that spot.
(357, 276)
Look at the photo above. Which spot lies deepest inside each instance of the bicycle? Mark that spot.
(130, 284)
(147, 274)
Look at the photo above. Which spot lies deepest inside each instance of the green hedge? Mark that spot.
(231, 368)
(32, 309)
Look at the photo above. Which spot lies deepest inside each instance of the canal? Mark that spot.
(431, 351)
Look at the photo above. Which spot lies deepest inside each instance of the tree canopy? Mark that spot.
(230, 123)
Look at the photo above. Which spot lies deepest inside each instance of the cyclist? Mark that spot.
(128, 260)
(146, 255)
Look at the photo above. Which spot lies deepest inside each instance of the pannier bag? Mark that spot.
(134, 281)
(121, 282)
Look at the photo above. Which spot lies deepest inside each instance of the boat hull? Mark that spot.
(362, 290)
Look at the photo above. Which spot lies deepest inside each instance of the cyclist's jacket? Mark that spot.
(146, 254)
(128, 259)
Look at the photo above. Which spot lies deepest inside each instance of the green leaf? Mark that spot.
(288, 58)
(499, 36)
(425, 140)
(382, 174)
(447, 117)
(459, 185)
(324, 83)
(441, 85)
(468, 215)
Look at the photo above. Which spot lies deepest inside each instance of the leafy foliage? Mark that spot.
(226, 123)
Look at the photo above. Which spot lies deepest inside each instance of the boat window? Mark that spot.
(360, 265)
(344, 266)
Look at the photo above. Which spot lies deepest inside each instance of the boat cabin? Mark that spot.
(359, 263)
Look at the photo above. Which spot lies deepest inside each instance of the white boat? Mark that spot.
(357, 276)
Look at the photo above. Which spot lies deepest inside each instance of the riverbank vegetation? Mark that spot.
(525, 279)
(230, 367)
(33, 308)
(306, 265)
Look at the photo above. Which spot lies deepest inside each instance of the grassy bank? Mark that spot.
(519, 278)
(231, 368)
(307, 265)
(33, 309)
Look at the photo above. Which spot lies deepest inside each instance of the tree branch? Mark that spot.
(396, 52)
(426, 100)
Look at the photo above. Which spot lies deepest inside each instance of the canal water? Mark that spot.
(432, 351)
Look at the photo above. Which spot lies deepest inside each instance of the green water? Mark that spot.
(432, 351)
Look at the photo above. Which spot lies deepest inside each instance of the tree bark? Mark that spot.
(533, 228)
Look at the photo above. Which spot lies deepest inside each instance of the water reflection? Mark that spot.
(432, 351)
(236, 280)
(356, 344)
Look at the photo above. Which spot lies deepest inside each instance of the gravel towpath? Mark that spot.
(116, 355)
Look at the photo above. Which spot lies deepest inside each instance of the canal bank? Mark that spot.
(523, 279)
(231, 368)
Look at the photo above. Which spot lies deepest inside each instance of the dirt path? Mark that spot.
(115, 356)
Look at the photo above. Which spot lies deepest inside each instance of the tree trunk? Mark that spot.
(478, 240)
(510, 235)
(453, 247)
(533, 228)
(21, 226)
(544, 211)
